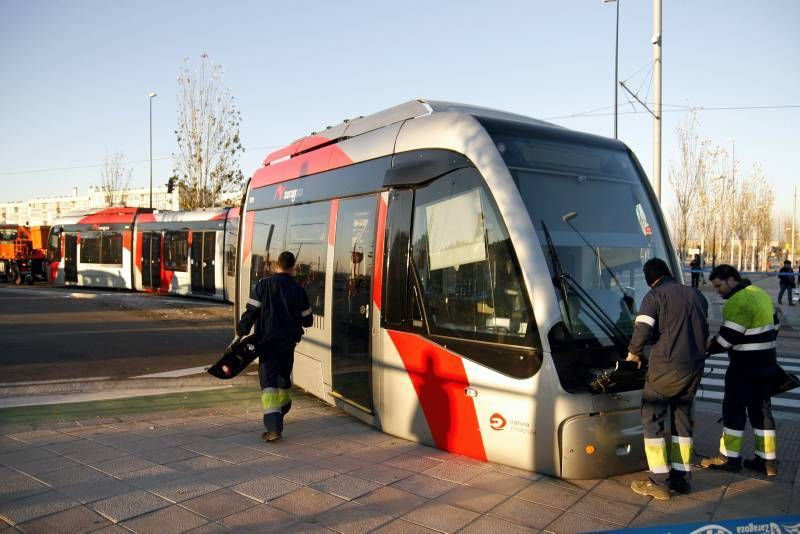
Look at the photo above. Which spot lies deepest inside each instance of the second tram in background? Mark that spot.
(189, 253)
(473, 276)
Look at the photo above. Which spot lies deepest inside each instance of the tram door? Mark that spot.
(71, 258)
(352, 286)
(203, 251)
(151, 259)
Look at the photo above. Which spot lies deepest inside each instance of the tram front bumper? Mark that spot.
(602, 444)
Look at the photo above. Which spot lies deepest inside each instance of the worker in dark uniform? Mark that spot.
(279, 308)
(748, 333)
(672, 319)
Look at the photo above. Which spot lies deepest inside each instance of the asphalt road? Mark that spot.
(49, 333)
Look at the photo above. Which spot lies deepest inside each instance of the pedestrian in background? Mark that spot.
(786, 281)
(279, 308)
(672, 319)
(748, 333)
(696, 266)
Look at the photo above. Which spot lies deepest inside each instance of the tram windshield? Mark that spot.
(597, 226)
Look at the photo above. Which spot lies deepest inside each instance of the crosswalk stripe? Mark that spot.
(777, 402)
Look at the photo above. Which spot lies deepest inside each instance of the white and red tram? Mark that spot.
(189, 253)
(472, 273)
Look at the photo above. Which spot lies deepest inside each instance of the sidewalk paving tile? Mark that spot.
(128, 505)
(150, 477)
(35, 506)
(265, 488)
(375, 455)
(181, 489)
(93, 490)
(685, 507)
(606, 509)
(210, 528)
(307, 474)
(453, 472)
(346, 487)
(400, 526)
(425, 486)
(219, 504)
(570, 523)
(412, 462)
(68, 447)
(75, 520)
(123, 464)
(72, 475)
(441, 516)
(168, 455)
(392, 501)
(382, 474)
(475, 499)
(485, 524)
(550, 494)
(18, 486)
(26, 455)
(342, 464)
(38, 467)
(615, 491)
(499, 483)
(307, 528)
(306, 502)
(756, 502)
(526, 513)
(92, 454)
(172, 519)
(649, 517)
(353, 518)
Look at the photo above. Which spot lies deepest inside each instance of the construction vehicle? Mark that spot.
(22, 252)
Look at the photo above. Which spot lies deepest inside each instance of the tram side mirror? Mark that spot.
(420, 166)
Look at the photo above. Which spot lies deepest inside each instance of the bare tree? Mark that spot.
(685, 178)
(207, 161)
(115, 180)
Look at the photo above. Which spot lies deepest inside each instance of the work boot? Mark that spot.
(648, 489)
(680, 485)
(765, 467)
(722, 463)
(271, 435)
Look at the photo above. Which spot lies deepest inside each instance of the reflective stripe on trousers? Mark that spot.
(275, 400)
(765, 442)
(730, 444)
(656, 451)
(681, 453)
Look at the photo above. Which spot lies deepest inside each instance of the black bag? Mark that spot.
(782, 381)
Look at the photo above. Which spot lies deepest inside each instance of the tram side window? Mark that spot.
(176, 250)
(307, 238)
(269, 231)
(8, 234)
(90, 247)
(54, 246)
(465, 265)
(230, 247)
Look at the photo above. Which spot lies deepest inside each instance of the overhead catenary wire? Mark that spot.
(595, 112)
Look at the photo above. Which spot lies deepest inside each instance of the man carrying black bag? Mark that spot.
(672, 319)
(279, 308)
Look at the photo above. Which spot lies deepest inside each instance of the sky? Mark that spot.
(76, 75)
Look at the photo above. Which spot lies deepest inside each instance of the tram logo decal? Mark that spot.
(281, 193)
(497, 421)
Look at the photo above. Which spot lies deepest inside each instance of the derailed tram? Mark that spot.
(473, 276)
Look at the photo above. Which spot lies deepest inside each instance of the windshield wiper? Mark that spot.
(571, 215)
(565, 281)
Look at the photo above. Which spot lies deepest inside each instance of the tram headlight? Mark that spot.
(590, 449)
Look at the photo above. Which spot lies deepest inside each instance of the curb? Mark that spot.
(93, 385)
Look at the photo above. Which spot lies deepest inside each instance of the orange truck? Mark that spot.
(22, 252)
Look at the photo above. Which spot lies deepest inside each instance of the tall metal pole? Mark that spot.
(616, 74)
(794, 214)
(150, 99)
(657, 98)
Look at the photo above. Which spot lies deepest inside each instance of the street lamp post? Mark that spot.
(150, 97)
(616, 67)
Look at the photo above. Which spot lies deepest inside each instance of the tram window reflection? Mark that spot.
(465, 265)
